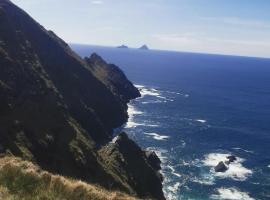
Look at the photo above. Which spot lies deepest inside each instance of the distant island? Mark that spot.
(122, 47)
(144, 47)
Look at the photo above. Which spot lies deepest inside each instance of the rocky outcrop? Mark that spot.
(221, 167)
(231, 158)
(133, 168)
(56, 108)
(153, 160)
(113, 77)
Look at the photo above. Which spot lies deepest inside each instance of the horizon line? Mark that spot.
(167, 50)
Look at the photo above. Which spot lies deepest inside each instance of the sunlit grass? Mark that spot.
(22, 180)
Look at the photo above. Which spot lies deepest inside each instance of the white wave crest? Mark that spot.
(236, 170)
(201, 120)
(139, 86)
(132, 111)
(206, 179)
(231, 194)
(147, 91)
(173, 171)
(157, 136)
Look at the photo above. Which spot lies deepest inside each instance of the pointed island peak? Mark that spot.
(144, 47)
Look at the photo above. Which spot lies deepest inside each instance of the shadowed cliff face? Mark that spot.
(55, 108)
(114, 78)
(85, 96)
(131, 165)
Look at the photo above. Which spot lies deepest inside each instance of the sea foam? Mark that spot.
(173, 171)
(157, 136)
(231, 194)
(236, 170)
(132, 111)
(147, 91)
(175, 187)
(201, 120)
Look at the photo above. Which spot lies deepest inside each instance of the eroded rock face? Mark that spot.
(113, 77)
(153, 160)
(130, 165)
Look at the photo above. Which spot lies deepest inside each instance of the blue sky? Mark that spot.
(235, 27)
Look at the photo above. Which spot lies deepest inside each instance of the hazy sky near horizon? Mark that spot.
(235, 27)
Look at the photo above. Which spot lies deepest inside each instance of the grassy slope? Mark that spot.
(25, 181)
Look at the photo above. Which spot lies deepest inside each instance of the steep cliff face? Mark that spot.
(113, 77)
(132, 167)
(56, 108)
(86, 98)
(52, 108)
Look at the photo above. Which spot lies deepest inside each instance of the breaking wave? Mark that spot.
(157, 136)
(236, 169)
(231, 194)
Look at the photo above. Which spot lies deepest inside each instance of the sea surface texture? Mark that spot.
(195, 110)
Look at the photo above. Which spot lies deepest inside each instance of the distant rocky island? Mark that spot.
(144, 47)
(59, 111)
(122, 47)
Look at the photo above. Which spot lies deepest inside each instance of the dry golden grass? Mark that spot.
(25, 181)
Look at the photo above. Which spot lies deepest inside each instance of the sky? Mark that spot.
(232, 27)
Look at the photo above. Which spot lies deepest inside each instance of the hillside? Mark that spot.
(25, 181)
(57, 109)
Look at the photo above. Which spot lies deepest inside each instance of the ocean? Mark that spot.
(195, 110)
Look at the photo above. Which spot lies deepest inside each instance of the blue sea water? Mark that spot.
(195, 110)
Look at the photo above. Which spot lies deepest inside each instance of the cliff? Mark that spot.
(132, 167)
(114, 78)
(56, 108)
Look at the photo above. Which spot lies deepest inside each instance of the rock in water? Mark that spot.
(231, 158)
(221, 167)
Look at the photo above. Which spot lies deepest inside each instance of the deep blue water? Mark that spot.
(196, 109)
